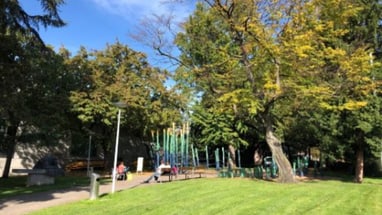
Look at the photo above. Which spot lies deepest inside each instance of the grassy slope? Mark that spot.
(236, 196)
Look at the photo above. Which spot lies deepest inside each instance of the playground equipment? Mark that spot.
(300, 165)
(175, 147)
(226, 168)
(271, 168)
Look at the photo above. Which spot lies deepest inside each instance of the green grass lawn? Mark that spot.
(236, 196)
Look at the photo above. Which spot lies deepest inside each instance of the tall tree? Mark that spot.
(238, 63)
(14, 19)
(120, 74)
(22, 58)
(256, 55)
(361, 126)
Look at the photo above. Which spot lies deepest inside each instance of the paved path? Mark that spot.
(27, 203)
(24, 204)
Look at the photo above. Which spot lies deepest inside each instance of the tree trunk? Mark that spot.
(10, 149)
(285, 169)
(359, 164)
(232, 153)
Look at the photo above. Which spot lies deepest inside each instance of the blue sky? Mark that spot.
(95, 23)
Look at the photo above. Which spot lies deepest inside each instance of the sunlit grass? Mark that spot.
(236, 196)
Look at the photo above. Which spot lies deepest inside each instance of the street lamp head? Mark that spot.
(120, 104)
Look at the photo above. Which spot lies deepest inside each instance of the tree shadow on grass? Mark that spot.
(326, 176)
(40, 197)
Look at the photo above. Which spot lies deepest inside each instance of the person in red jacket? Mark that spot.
(121, 171)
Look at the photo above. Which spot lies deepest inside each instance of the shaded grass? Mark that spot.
(236, 196)
(16, 185)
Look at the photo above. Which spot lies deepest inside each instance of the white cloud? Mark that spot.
(138, 9)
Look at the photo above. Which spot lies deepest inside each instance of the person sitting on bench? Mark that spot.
(158, 172)
(174, 171)
(121, 171)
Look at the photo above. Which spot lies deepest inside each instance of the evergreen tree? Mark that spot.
(24, 61)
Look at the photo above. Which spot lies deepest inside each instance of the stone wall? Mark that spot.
(27, 155)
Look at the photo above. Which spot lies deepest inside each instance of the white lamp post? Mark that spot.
(89, 150)
(119, 105)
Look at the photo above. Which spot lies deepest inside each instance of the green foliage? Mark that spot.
(207, 50)
(32, 78)
(251, 60)
(37, 73)
(218, 128)
(120, 74)
(14, 19)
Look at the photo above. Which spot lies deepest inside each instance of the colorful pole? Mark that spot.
(176, 146)
(217, 160)
(182, 151)
(164, 144)
(186, 136)
(157, 150)
(207, 161)
(168, 145)
(238, 157)
(173, 145)
(193, 155)
(197, 156)
(223, 157)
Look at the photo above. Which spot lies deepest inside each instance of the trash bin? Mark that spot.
(94, 186)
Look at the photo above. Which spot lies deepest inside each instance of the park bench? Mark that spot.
(167, 172)
(192, 172)
(36, 176)
(83, 164)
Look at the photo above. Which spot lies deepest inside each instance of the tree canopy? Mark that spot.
(120, 74)
(256, 59)
(28, 71)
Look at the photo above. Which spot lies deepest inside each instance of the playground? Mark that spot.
(173, 146)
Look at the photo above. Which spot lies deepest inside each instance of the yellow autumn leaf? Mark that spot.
(353, 105)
